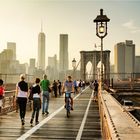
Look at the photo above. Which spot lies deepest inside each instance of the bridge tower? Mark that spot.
(94, 58)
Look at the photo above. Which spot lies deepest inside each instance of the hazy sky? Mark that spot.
(20, 22)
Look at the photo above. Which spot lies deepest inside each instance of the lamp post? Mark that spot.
(101, 31)
(74, 67)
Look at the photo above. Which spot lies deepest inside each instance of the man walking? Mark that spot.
(95, 96)
(45, 83)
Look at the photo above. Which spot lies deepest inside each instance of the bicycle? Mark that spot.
(68, 103)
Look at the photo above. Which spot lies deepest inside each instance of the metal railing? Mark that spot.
(9, 103)
(104, 124)
(14, 78)
(109, 131)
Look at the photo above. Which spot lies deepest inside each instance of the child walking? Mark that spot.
(36, 91)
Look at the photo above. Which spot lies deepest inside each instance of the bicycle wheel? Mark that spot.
(68, 107)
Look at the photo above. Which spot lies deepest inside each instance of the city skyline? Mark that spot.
(21, 23)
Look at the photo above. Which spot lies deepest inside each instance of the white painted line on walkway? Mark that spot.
(80, 93)
(35, 128)
(79, 135)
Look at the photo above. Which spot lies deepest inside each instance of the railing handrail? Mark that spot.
(111, 130)
(8, 102)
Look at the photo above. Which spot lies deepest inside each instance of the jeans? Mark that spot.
(45, 101)
(22, 106)
(36, 108)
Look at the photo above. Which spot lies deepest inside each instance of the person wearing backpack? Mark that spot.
(45, 86)
(36, 92)
(1, 94)
(21, 95)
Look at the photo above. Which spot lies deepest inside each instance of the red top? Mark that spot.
(1, 90)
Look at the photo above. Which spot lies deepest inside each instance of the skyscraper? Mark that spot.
(52, 67)
(137, 62)
(12, 46)
(63, 53)
(32, 62)
(31, 68)
(41, 51)
(125, 57)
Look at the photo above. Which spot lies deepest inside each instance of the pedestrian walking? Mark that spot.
(55, 88)
(59, 87)
(95, 95)
(75, 87)
(45, 85)
(1, 94)
(22, 94)
(83, 85)
(36, 93)
(80, 85)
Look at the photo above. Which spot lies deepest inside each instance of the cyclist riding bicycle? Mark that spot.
(68, 87)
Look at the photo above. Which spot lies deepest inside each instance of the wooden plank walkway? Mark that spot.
(56, 125)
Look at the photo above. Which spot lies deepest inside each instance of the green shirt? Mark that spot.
(44, 85)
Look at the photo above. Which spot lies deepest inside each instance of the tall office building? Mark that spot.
(32, 62)
(52, 68)
(41, 51)
(8, 65)
(137, 66)
(12, 46)
(63, 53)
(124, 57)
(31, 68)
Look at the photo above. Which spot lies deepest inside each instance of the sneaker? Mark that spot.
(43, 113)
(37, 122)
(22, 122)
(31, 121)
(47, 112)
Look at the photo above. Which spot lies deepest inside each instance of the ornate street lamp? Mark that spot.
(101, 31)
(74, 67)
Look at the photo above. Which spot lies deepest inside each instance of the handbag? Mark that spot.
(49, 89)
